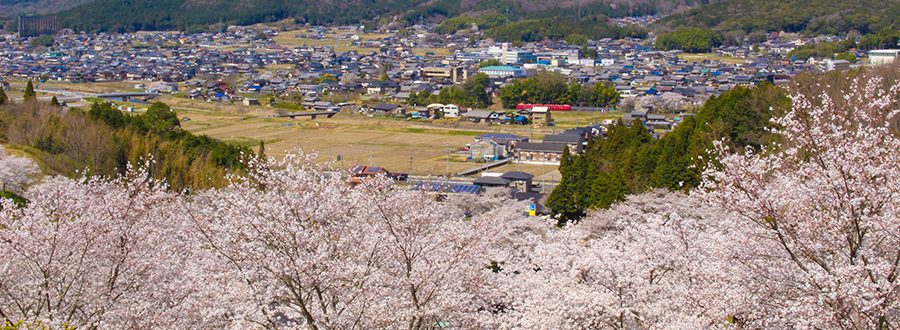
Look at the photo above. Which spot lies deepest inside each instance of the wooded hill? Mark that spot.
(12, 8)
(104, 141)
(629, 161)
(809, 17)
(133, 15)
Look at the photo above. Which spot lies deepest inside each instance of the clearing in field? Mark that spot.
(345, 140)
(710, 56)
(294, 38)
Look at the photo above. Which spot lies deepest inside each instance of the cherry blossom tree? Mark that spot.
(16, 172)
(98, 253)
(299, 247)
(798, 235)
(654, 261)
(818, 216)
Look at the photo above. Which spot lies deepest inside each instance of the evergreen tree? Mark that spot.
(262, 149)
(630, 161)
(565, 162)
(54, 101)
(3, 97)
(608, 189)
(30, 95)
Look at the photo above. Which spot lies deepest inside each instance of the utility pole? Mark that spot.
(519, 162)
(370, 153)
(448, 161)
(507, 16)
(410, 163)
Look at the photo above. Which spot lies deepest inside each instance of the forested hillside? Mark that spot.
(103, 141)
(809, 17)
(115, 15)
(558, 28)
(629, 161)
(12, 8)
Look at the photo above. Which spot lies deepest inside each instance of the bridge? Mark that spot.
(127, 95)
(73, 96)
(483, 167)
(312, 115)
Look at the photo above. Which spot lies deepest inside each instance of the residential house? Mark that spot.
(452, 110)
(538, 153)
(540, 116)
(388, 108)
(482, 115)
(519, 180)
(360, 173)
(575, 142)
(325, 106)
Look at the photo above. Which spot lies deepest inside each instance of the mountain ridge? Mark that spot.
(133, 15)
(810, 17)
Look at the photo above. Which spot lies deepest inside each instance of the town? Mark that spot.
(319, 71)
(449, 165)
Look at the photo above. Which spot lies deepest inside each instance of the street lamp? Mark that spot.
(448, 161)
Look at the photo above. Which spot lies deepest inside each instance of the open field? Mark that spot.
(710, 56)
(287, 39)
(572, 119)
(358, 140)
(400, 145)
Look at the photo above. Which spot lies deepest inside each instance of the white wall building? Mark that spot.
(883, 56)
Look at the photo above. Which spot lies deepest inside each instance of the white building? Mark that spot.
(452, 110)
(883, 56)
(501, 72)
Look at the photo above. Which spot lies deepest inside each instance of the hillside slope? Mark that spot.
(133, 15)
(809, 17)
(13, 8)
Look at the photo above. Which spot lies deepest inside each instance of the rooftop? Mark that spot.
(501, 68)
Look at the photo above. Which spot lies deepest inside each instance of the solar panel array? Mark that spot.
(357, 169)
(499, 136)
(467, 189)
(442, 187)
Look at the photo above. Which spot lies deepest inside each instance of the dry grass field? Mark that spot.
(288, 38)
(358, 139)
(710, 56)
(365, 140)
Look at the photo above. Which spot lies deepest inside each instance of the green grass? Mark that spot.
(249, 142)
(711, 56)
(19, 200)
(288, 106)
(569, 119)
(437, 131)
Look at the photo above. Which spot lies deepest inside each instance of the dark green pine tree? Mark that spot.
(608, 189)
(562, 200)
(678, 167)
(30, 95)
(565, 161)
(586, 173)
(3, 97)
(262, 149)
(54, 101)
